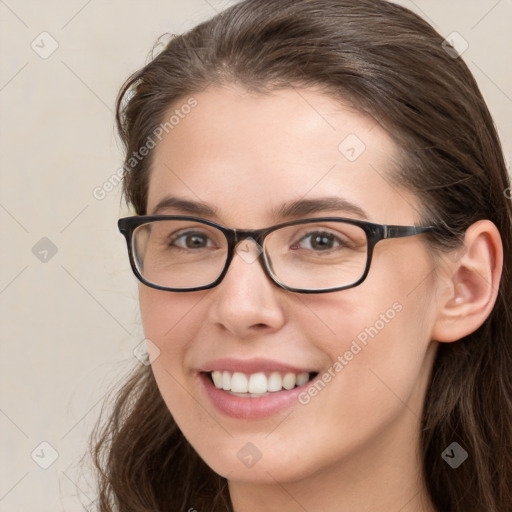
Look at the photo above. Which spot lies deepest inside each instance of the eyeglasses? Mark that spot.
(184, 254)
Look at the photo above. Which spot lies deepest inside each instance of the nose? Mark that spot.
(247, 302)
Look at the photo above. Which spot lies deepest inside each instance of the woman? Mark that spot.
(357, 354)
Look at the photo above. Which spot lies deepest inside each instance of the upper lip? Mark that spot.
(250, 366)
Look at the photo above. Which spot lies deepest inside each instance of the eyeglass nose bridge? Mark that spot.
(257, 236)
(244, 251)
(243, 234)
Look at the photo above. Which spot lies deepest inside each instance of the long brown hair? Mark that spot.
(390, 63)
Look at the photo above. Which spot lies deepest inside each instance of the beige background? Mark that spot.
(69, 325)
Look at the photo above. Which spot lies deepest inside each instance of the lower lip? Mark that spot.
(250, 408)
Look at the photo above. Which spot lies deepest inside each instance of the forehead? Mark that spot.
(246, 154)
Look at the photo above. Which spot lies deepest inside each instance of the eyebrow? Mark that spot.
(290, 209)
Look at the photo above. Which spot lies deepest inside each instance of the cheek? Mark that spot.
(377, 350)
(378, 339)
(169, 322)
(164, 315)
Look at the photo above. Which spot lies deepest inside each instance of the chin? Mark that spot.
(245, 459)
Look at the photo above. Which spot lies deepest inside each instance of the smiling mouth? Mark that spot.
(258, 384)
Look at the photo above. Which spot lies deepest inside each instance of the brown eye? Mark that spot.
(190, 240)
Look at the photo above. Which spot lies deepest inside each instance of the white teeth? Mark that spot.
(257, 384)
(239, 383)
(275, 382)
(226, 381)
(302, 378)
(289, 381)
(217, 379)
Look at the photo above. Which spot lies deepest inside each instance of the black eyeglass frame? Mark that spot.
(374, 233)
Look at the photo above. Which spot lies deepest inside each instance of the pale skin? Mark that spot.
(354, 446)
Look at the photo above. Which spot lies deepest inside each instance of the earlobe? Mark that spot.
(473, 282)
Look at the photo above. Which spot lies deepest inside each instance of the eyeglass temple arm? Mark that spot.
(401, 231)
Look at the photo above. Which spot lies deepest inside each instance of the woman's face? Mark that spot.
(246, 155)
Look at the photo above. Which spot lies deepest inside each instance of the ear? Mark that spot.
(470, 283)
